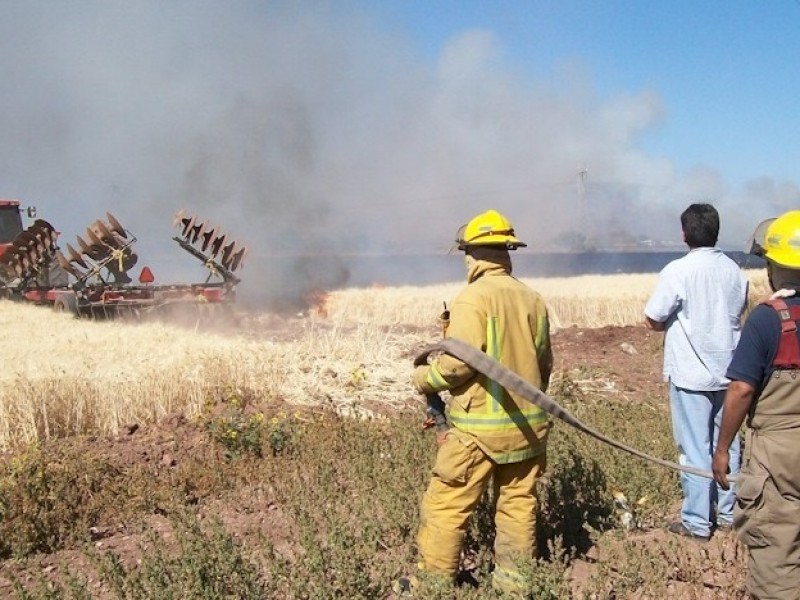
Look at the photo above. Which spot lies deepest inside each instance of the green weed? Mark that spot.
(329, 509)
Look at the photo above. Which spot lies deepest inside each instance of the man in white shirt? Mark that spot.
(698, 302)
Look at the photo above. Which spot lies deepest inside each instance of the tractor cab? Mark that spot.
(10, 223)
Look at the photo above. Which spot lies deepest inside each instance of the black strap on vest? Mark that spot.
(788, 354)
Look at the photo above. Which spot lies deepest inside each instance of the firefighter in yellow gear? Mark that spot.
(496, 437)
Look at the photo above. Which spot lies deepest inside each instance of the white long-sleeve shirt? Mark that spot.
(700, 297)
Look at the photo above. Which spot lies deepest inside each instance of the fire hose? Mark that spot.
(483, 363)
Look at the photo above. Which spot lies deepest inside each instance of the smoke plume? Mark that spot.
(308, 130)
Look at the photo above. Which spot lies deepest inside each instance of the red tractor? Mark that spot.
(94, 280)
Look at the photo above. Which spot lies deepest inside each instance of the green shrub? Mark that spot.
(49, 498)
(334, 509)
(207, 563)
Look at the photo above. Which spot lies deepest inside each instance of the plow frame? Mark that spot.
(100, 301)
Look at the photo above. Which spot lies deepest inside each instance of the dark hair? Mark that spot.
(700, 223)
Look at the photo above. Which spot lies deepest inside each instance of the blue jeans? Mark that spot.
(696, 417)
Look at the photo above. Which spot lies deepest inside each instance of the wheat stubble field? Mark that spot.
(149, 432)
(64, 376)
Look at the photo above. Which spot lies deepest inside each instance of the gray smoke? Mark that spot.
(305, 129)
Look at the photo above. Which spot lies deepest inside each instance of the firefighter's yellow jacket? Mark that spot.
(506, 319)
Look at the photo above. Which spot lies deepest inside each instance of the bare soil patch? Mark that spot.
(629, 357)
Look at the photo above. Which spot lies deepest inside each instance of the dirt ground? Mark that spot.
(628, 358)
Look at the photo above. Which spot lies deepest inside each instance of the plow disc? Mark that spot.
(109, 247)
(30, 252)
(209, 244)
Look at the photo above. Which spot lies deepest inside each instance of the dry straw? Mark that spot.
(584, 301)
(63, 376)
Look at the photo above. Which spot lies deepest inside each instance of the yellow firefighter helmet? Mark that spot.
(488, 229)
(782, 240)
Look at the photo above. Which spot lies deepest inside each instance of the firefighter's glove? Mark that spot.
(420, 380)
(783, 293)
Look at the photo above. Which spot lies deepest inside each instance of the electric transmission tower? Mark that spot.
(582, 208)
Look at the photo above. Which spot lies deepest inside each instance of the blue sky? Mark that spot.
(726, 71)
(356, 126)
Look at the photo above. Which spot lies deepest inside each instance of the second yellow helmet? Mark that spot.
(782, 240)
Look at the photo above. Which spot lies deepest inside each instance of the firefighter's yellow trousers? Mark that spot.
(460, 476)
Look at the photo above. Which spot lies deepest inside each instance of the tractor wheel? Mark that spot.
(66, 303)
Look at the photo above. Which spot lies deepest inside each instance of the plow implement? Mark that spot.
(93, 278)
(30, 253)
(109, 248)
(209, 244)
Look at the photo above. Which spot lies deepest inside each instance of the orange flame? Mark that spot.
(317, 301)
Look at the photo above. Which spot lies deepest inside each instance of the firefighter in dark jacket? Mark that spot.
(765, 389)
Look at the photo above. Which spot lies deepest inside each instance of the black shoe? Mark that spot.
(404, 586)
(679, 528)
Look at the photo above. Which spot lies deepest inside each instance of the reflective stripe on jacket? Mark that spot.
(506, 319)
